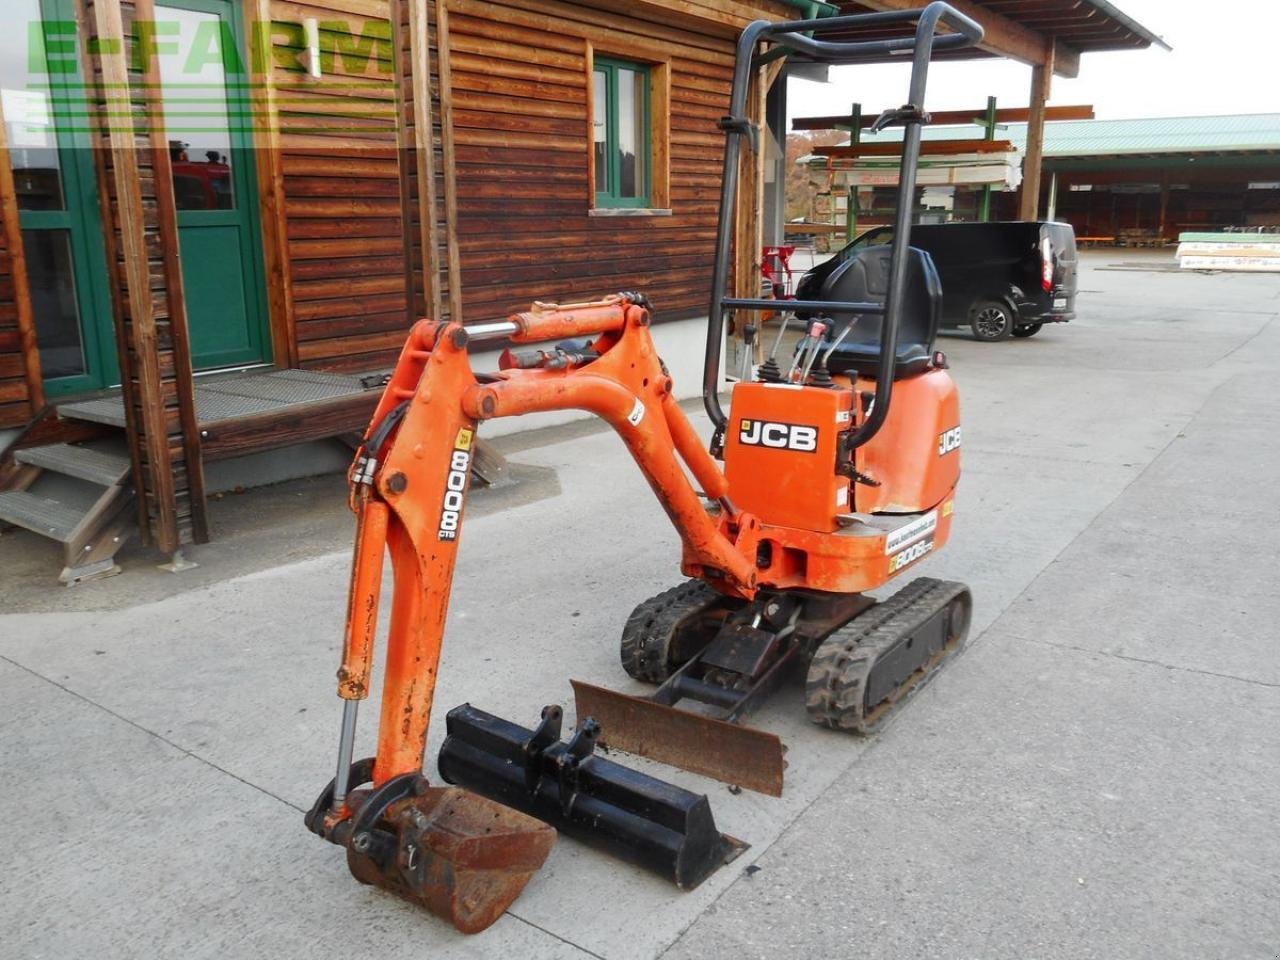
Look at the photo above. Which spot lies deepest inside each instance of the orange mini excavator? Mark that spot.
(840, 466)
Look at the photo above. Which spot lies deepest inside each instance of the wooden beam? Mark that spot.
(417, 152)
(1033, 157)
(106, 203)
(749, 235)
(175, 292)
(928, 148)
(943, 117)
(449, 162)
(1004, 37)
(108, 30)
(10, 220)
(271, 198)
(295, 424)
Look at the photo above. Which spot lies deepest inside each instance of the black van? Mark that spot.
(1002, 279)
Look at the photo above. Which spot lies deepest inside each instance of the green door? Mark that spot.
(53, 169)
(208, 117)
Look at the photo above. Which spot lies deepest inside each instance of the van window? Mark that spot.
(873, 238)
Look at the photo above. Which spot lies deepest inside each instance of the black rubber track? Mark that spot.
(835, 691)
(647, 637)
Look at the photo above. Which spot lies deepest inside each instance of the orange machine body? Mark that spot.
(818, 527)
(915, 458)
(782, 518)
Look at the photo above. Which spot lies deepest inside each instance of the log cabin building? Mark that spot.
(219, 218)
(220, 215)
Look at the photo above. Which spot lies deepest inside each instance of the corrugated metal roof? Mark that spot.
(1092, 138)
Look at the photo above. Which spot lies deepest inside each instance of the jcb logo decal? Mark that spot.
(778, 436)
(949, 441)
(455, 492)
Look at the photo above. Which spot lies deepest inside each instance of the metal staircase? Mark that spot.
(80, 496)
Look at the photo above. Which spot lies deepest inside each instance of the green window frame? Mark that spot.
(623, 116)
(79, 219)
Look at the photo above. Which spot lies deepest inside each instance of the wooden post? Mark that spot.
(989, 122)
(10, 222)
(851, 193)
(417, 153)
(1164, 203)
(176, 299)
(271, 195)
(453, 258)
(749, 238)
(1041, 81)
(142, 243)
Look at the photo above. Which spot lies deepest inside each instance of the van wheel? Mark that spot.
(1027, 329)
(991, 320)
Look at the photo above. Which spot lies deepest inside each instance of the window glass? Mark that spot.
(29, 110)
(621, 134)
(194, 78)
(600, 130)
(874, 238)
(631, 138)
(51, 277)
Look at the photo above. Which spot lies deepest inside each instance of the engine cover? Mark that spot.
(780, 453)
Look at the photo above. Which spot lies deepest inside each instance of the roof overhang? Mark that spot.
(1041, 33)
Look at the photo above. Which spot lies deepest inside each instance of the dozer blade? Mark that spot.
(647, 821)
(459, 854)
(724, 751)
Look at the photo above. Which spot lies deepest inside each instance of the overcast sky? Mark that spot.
(1225, 59)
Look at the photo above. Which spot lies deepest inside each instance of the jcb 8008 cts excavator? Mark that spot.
(840, 467)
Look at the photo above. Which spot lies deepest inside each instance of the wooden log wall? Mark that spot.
(336, 235)
(136, 183)
(517, 106)
(427, 186)
(21, 387)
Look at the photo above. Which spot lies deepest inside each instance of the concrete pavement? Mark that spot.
(1096, 776)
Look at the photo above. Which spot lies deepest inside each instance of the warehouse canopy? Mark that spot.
(1240, 133)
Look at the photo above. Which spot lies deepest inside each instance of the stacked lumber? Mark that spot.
(1249, 252)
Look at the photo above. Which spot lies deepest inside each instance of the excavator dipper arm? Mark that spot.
(409, 487)
(410, 493)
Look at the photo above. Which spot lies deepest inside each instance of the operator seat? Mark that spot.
(864, 277)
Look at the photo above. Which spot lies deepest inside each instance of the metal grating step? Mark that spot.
(102, 467)
(49, 518)
(105, 410)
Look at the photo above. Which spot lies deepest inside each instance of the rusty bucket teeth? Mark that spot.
(462, 856)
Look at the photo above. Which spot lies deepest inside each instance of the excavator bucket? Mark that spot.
(634, 816)
(462, 856)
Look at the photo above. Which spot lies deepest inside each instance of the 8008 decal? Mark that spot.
(910, 555)
(455, 490)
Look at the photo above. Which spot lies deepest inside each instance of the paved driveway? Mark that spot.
(1098, 776)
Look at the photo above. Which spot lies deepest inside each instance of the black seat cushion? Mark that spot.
(864, 278)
